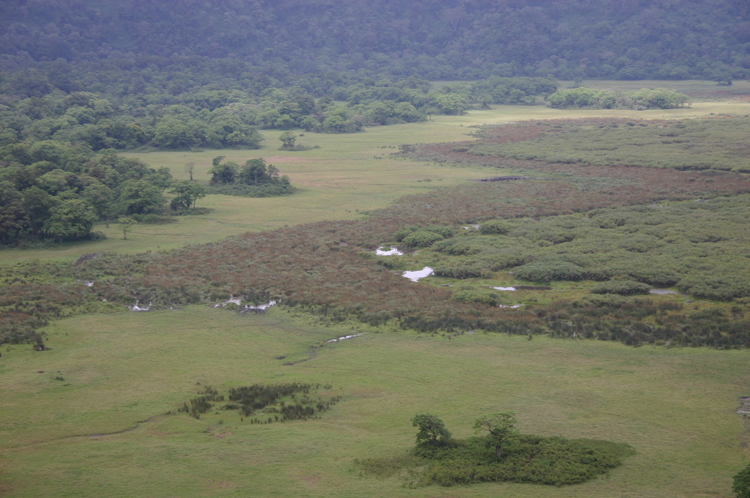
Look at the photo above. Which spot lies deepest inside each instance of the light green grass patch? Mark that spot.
(339, 180)
(674, 406)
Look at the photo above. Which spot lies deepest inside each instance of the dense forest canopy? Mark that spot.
(433, 39)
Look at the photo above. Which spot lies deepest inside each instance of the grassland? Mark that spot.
(103, 429)
(674, 406)
(698, 144)
(339, 179)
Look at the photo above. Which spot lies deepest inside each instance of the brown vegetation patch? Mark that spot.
(319, 267)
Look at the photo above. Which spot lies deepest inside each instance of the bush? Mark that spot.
(262, 190)
(655, 276)
(547, 271)
(466, 270)
(477, 296)
(445, 232)
(154, 219)
(422, 238)
(741, 485)
(716, 288)
(495, 228)
(621, 287)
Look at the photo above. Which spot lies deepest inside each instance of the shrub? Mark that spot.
(445, 232)
(495, 228)
(477, 296)
(466, 270)
(621, 287)
(741, 486)
(154, 219)
(547, 271)
(656, 276)
(422, 238)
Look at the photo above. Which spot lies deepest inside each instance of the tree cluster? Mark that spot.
(53, 190)
(254, 179)
(642, 99)
(198, 115)
(500, 453)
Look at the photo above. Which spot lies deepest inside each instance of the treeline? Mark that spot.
(201, 116)
(642, 99)
(433, 39)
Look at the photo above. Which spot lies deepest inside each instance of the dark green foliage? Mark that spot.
(605, 99)
(201, 404)
(260, 400)
(64, 194)
(741, 486)
(524, 459)
(263, 190)
(621, 287)
(186, 195)
(529, 459)
(483, 296)
(431, 430)
(468, 269)
(254, 179)
(550, 270)
(436, 40)
(494, 228)
(421, 238)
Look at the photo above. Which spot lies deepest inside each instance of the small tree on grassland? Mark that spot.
(189, 168)
(500, 428)
(431, 429)
(127, 225)
(288, 139)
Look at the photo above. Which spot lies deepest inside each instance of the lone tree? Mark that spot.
(127, 225)
(741, 485)
(500, 428)
(189, 168)
(431, 429)
(186, 195)
(288, 139)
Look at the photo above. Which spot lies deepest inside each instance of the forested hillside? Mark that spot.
(433, 39)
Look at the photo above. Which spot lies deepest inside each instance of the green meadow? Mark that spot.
(95, 414)
(103, 430)
(348, 174)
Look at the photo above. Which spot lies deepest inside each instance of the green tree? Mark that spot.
(288, 139)
(126, 224)
(500, 428)
(100, 197)
(140, 197)
(12, 216)
(741, 485)
(222, 173)
(37, 204)
(72, 218)
(186, 194)
(253, 171)
(431, 429)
